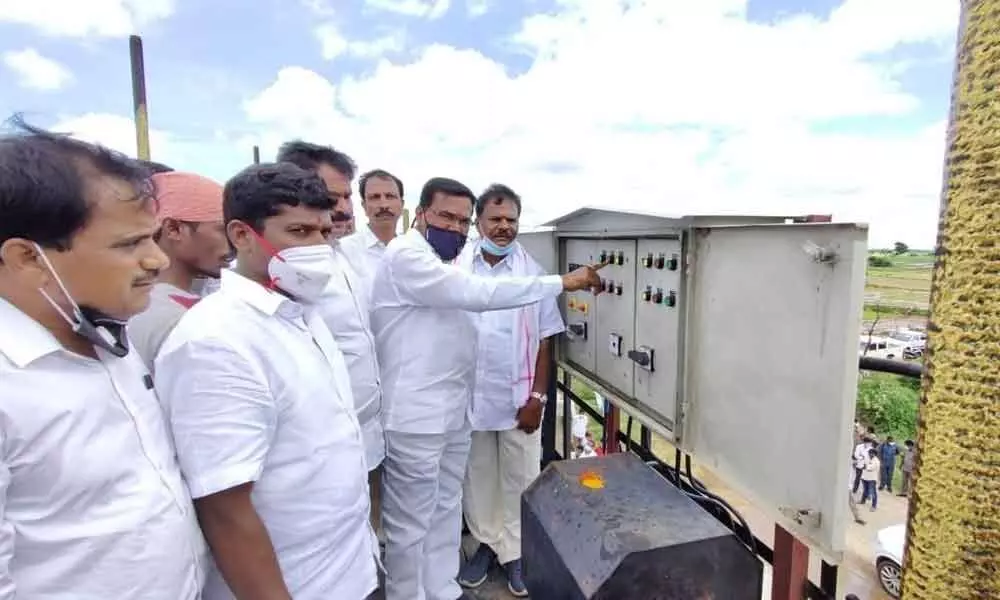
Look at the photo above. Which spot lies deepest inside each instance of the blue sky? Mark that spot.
(806, 105)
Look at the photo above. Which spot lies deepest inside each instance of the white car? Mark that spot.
(880, 347)
(889, 544)
(914, 342)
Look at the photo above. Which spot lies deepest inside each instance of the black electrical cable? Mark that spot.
(743, 522)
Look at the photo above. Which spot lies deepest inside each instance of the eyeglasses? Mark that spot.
(452, 218)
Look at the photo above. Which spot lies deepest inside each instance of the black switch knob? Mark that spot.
(618, 290)
(647, 294)
(660, 259)
(577, 330)
(671, 299)
(639, 357)
(604, 256)
(658, 296)
(647, 260)
(619, 258)
(672, 263)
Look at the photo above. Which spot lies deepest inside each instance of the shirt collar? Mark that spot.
(24, 340)
(505, 262)
(371, 240)
(266, 301)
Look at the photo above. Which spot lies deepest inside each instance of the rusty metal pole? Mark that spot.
(139, 97)
(953, 531)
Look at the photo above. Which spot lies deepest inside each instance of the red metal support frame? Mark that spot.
(790, 576)
(612, 418)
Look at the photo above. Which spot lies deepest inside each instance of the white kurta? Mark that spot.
(426, 342)
(344, 309)
(92, 505)
(364, 251)
(503, 460)
(256, 390)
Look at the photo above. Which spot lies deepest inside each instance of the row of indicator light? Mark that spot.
(572, 304)
(658, 297)
(660, 261)
(611, 287)
(616, 257)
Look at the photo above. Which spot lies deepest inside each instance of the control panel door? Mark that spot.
(578, 344)
(658, 306)
(616, 315)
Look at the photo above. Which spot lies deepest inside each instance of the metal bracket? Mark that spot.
(803, 516)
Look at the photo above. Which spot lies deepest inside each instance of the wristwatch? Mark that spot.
(539, 396)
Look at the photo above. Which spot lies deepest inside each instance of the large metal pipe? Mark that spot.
(953, 531)
(139, 97)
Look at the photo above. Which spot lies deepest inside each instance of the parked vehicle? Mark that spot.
(889, 544)
(914, 342)
(880, 347)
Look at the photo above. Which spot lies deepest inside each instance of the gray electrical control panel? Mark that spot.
(733, 338)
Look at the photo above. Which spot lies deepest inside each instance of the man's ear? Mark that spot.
(21, 256)
(239, 235)
(170, 229)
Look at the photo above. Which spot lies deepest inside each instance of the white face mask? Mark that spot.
(302, 272)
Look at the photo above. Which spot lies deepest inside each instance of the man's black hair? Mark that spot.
(258, 192)
(443, 185)
(156, 168)
(43, 191)
(312, 156)
(378, 174)
(497, 193)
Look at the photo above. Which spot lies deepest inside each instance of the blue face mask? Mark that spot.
(489, 247)
(446, 243)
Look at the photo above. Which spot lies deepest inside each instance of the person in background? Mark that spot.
(259, 401)
(344, 227)
(426, 339)
(853, 501)
(382, 198)
(860, 458)
(336, 169)
(887, 458)
(906, 466)
(92, 504)
(191, 234)
(869, 477)
(513, 363)
(345, 304)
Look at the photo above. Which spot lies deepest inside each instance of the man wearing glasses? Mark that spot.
(424, 324)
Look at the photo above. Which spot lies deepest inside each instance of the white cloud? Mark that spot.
(477, 8)
(78, 18)
(35, 71)
(666, 106)
(429, 9)
(334, 44)
(114, 131)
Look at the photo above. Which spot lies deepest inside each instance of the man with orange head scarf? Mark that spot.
(192, 234)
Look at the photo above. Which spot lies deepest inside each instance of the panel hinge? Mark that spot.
(803, 516)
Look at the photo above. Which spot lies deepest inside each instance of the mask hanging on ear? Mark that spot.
(487, 245)
(91, 324)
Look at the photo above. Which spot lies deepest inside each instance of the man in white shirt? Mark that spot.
(336, 169)
(92, 504)
(426, 338)
(345, 306)
(513, 362)
(191, 234)
(382, 198)
(259, 401)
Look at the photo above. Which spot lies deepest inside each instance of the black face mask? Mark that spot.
(91, 324)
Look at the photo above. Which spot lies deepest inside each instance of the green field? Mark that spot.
(904, 287)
